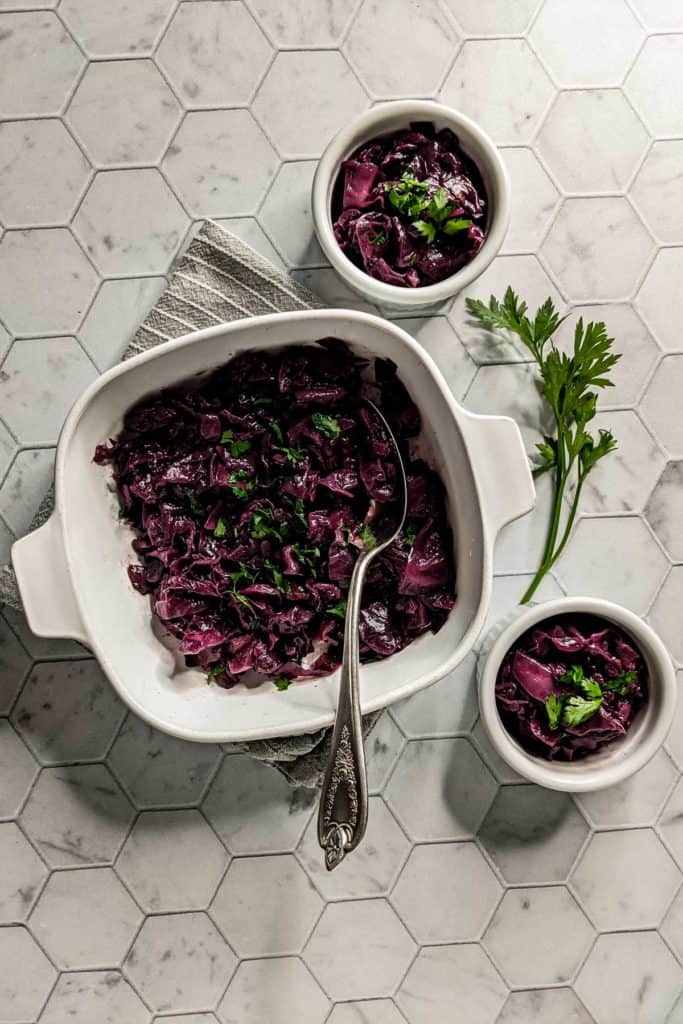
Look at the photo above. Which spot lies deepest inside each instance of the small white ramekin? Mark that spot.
(380, 120)
(619, 759)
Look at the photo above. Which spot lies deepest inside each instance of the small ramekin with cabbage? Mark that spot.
(410, 208)
(571, 685)
(251, 495)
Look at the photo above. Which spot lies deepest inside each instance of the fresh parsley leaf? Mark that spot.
(264, 525)
(621, 683)
(410, 533)
(213, 672)
(293, 455)
(577, 709)
(327, 425)
(553, 706)
(226, 436)
(575, 676)
(221, 528)
(238, 448)
(276, 573)
(338, 609)
(368, 537)
(569, 383)
(379, 239)
(282, 683)
(299, 512)
(454, 225)
(426, 229)
(277, 430)
(196, 506)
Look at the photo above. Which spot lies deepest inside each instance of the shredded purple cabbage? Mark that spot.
(251, 495)
(570, 686)
(387, 242)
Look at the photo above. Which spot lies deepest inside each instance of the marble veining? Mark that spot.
(144, 879)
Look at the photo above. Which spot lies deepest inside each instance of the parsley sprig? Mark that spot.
(568, 384)
(573, 709)
(428, 213)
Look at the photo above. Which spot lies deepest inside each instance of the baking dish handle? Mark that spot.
(501, 468)
(45, 584)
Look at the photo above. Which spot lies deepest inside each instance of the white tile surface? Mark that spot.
(196, 121)
(446, 892)
(266, 906)
(220, 162)
(625, 880)
(461, 784)
(77, 816)
(40, 64)
(85, 919)
(277, 991)
(155, 857)
(40, 380)
(85, 996)
(322, 83)
(584, 263)
(254, 810)
(27, 976)
(502, 85)
(123, 112)
(592, 140)
(130, 221)
(22, 874)
(352, 970)
(452, 979)
(610, 37)
(657, 191)
(214, 54)
(533, 835)
(631, 975)
(419, 31)
(180, 962)
(67, 711)
(374, 868)
(665, 508)
(522, 937)
(43, 173)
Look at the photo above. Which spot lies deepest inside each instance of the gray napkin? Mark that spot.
(218, 279)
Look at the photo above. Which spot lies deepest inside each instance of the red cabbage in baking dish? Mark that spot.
(251, 496)
(569, 686)
(410, 208)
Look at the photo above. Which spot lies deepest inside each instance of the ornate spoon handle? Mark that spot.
(343, 813)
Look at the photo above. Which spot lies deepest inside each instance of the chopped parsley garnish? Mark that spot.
(368, 537)
(263, 401)
(264, 525)
(221, 528)
(410, 533)
(294, 455)
(379, 239)
(226, 436)
(621, 683)
(575, 676)
(299, 512)
(553, 706)
(327, 425)
(282, 683)
(213, 672)
(430, 214)
(338, 609)
(577, 709)
(277, 575)
(277, 430)
(238, 448)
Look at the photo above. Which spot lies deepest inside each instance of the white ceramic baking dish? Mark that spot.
(71, 571)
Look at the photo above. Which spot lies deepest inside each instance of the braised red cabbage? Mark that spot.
(569, 686)
(251, 494)
(410, 208)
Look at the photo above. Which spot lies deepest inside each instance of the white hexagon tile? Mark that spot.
(144, 879)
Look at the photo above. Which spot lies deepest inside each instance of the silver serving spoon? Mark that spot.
(343, 811)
